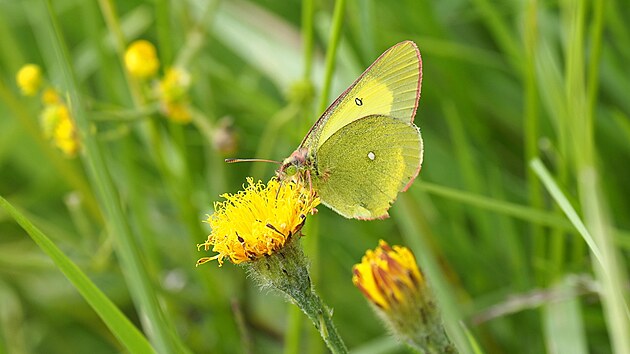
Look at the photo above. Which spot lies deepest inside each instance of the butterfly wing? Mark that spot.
(360, 168)
(389, 87)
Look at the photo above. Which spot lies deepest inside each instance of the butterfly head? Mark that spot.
(295, 164)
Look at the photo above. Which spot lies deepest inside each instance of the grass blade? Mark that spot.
(128, 335)
(564, 326)
(565, 205)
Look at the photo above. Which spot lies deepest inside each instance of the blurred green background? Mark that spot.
(528, 258)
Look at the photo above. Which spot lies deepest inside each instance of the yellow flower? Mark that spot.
(173, 95)
(58, 126)
(141, 59)
(260, 227)
(391, 280)
(387, 276)
(29, 79)
(257, 221)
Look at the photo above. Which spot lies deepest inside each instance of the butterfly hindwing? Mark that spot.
(361, 167)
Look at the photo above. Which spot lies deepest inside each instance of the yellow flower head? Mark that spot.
(141, 59)
(173, 95)
(391, 280)
(58, 126)
(388, 276)
(29, 79)
(257, 221)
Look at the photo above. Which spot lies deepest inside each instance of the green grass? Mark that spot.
(518, 219)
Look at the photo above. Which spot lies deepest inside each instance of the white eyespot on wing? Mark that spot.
(371, 155)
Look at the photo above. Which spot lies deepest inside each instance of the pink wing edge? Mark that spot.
(380, 217)
(413, 116)
(345, 93)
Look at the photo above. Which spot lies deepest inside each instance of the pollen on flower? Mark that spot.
(387, 276)
(141, 59)
(257, 221)
(29, 79)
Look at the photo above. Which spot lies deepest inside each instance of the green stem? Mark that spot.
(531, 122)
(321, 317)
(498, 27)
(611, 269)
(113, 25)
(331, 52)
(592, 89)
(196, 37)
(287, 271)
(436, 343)
(307, 37)
(294, 329)
(163, 11)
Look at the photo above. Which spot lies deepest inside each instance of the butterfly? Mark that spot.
(365, 149)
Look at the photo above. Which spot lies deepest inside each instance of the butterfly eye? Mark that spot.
(290, 170)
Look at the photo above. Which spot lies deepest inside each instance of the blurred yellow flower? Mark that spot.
(257, 221)
(29, 79)
(387, 276)
(58, 126)
(50, 96)
(174, 86)
(173, 95)
(65, 137)
(178, 112)
(141, 59)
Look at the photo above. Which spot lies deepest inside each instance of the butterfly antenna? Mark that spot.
(252, 160)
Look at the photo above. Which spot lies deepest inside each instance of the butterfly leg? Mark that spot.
(310, 181)
(279, 188)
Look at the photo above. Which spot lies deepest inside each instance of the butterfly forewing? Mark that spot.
(361, 168)
(389, 87)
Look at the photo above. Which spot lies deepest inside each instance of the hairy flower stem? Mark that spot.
(435, 343)
(287, 272)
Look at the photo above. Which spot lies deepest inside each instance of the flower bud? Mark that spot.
(391, 280)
